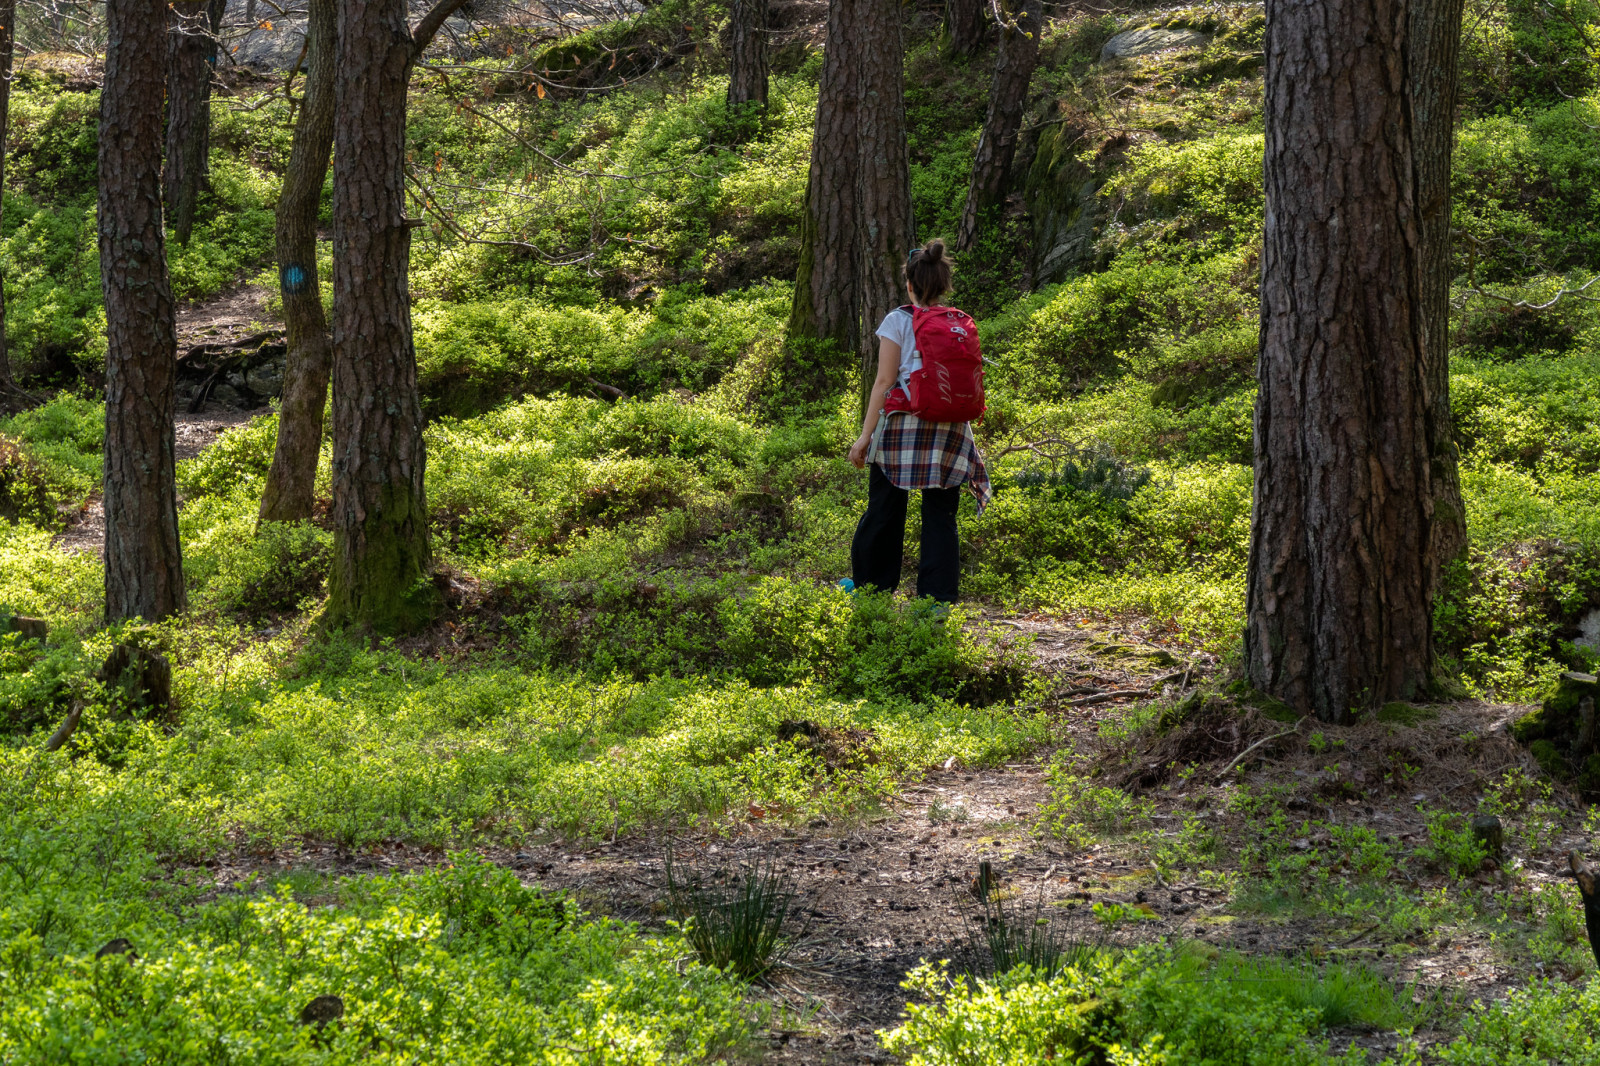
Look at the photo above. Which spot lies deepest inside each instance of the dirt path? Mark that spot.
(86, 532)
(225, 318)
(881, 893)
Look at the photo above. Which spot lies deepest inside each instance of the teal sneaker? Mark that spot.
(848, 585)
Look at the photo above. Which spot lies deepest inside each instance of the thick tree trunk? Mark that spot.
(747, 68)
(1434, 72)
(190, 50)
(1341, 573)
(884, 175)
(964, 27)
(825, 291)
(858, 227)
(144, 570)
(8, 14)
(380, 517)
(291, 482)
(1014, 61)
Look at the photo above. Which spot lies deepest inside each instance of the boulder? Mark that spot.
(265, 379)
(1149, 39)
(1589, 631)
(1561, 734)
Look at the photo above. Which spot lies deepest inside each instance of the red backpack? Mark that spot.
(949, 385)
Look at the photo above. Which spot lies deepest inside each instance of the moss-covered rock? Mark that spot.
(1548, 758)
(1558, 734)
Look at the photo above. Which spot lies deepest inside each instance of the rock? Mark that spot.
(1561, 733)
(225, 394)
(1488, 831)
(265, 380)
(1589, 631)
(1149, 40)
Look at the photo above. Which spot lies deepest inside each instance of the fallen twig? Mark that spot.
(1104, 697)
(1265, 740)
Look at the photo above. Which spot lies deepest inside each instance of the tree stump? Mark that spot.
(141, 678)
(1488, 831)
(29, 628)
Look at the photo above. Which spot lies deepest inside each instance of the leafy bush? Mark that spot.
(63, 441)
(410, 960)
(37, 578)
(776, 631)
(1143, 1008)
(1545, 1023)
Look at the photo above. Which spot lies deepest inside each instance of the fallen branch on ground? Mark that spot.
(1260, 743)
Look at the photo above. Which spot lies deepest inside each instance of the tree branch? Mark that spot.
(423, 34)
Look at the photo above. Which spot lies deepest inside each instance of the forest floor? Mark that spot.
(1228, 829)
(879, 894)
(224, 319)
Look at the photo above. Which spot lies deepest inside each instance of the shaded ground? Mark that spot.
(883, 893)
(226, 318)
(86, 531)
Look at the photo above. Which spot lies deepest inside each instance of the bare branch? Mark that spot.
(1578, 293)
(423, 34)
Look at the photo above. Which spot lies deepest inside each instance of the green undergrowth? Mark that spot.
(1188, 1005)
(362, 746)
(114, 955)
(1155, 1006)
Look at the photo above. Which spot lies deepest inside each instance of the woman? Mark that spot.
(906, 453)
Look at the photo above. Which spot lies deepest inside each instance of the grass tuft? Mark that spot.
(739, 925)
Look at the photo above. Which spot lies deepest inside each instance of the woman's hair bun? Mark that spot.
(928, 271)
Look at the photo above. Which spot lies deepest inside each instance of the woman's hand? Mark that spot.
(858, 450)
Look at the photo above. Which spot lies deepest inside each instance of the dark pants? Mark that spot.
(879, 546)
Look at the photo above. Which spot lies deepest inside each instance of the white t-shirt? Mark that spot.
(897, 327)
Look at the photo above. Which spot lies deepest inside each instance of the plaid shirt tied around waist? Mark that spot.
(929, 455)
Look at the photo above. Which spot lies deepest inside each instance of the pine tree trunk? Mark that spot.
(1433, 66)
(964, 27)
(190, 49)
(291, 482)
(1014, 61)
(8, 13)
(884, 176)
(747, 68)
(144, 570)
(857, 228)
(381, 554)
(1341, 571)
(825, 291)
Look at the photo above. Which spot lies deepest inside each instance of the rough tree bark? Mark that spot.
(144, 570)
(8, 13)
(291, 482)
(964, 27)
(1015, 58)
(1341, 571)
(857, 227)
(825, 297)
(381, 556)
(1434, 77)
(883, 182)
(191, 48)
(747, 67)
